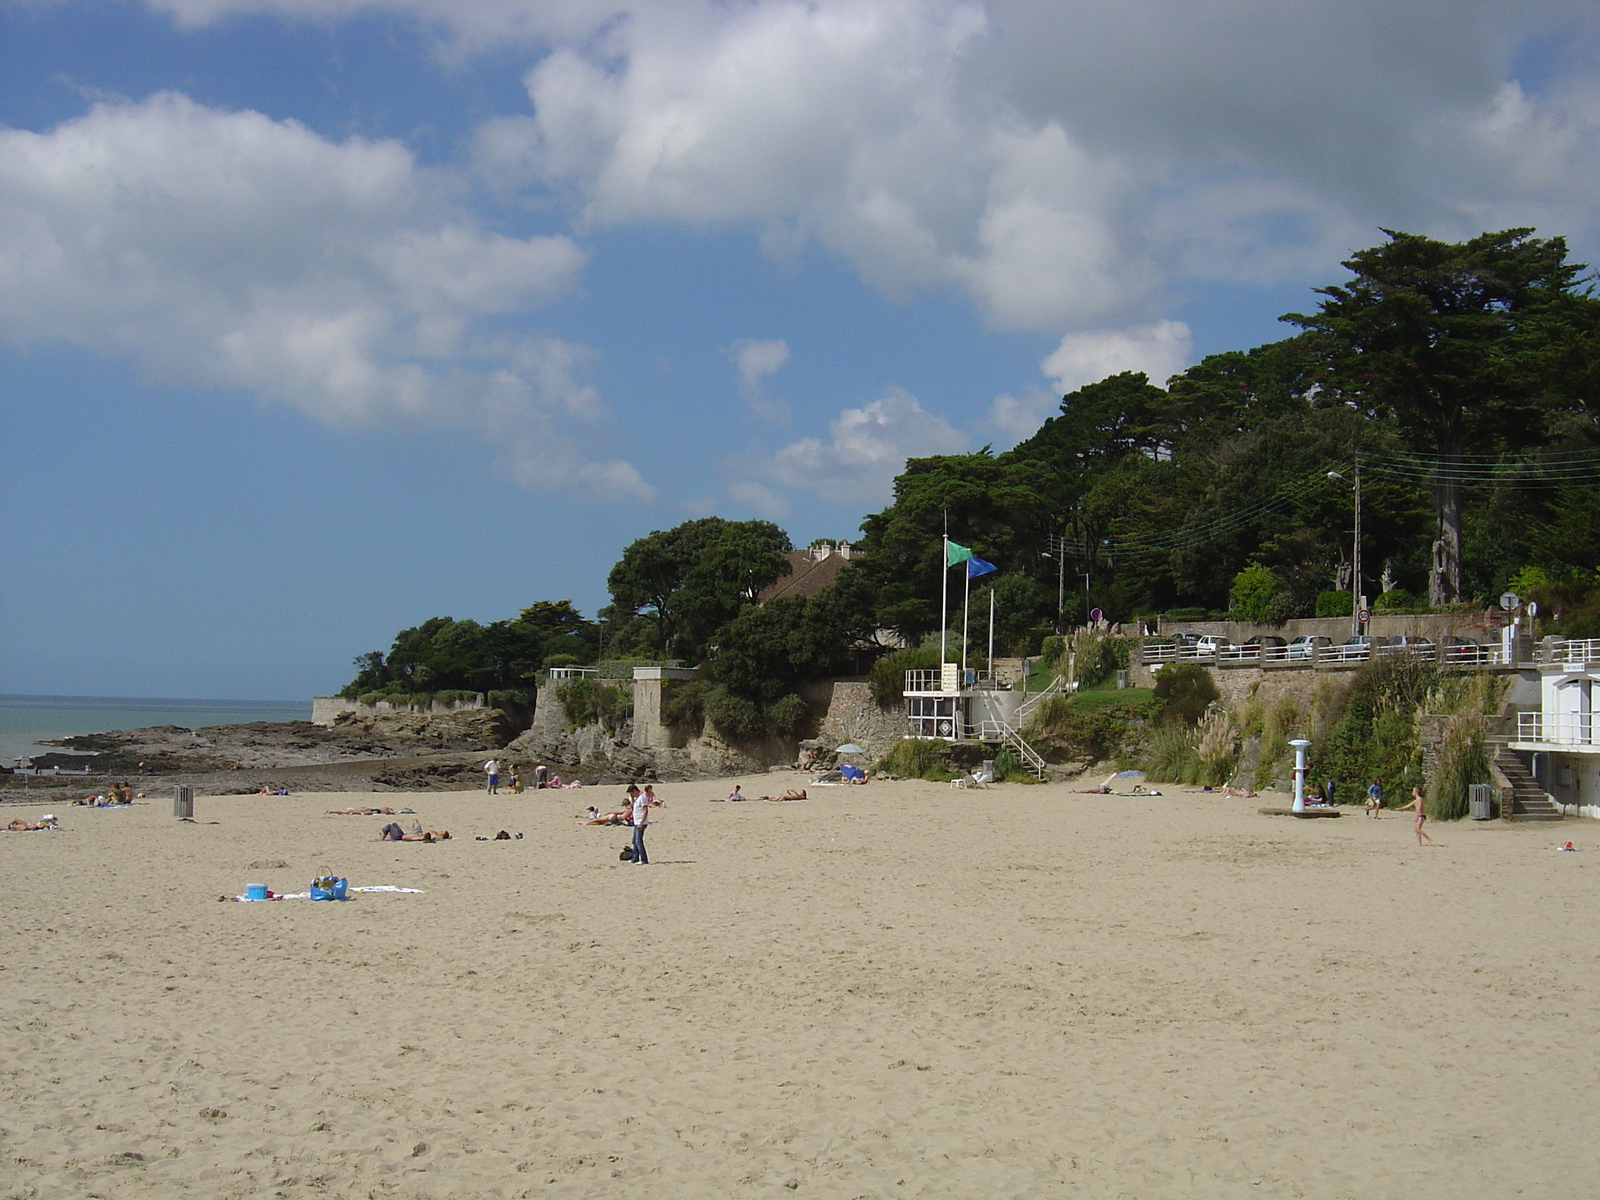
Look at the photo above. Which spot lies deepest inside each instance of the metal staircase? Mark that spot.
(1005, 734)
(1027, 707)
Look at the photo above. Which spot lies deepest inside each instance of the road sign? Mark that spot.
(1364, 615)
(1510, 600)
(1095, 614)
(1533, 608)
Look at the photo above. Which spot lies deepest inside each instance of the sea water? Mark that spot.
(26, 720)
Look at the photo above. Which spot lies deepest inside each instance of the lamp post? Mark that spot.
(1355, 552)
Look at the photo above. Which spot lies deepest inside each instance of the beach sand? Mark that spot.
(896, 990)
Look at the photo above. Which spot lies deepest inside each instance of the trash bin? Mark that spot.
(1122, 679)
(1480, 799)
(183, 801)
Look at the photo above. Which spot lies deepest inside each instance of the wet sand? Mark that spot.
(897, 990)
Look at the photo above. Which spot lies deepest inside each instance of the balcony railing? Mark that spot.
(1576, 729)
(926, 680)
(1575, 651)
(559, 673)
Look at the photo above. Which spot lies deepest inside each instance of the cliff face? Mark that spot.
(597, 756)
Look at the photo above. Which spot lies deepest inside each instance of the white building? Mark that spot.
(1563, 737)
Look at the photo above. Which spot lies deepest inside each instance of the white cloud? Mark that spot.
(755, 361)
(762, 501)
(867, 448)
(1059, 162)
(1017, 417)
(225, 248)
(1159, 350)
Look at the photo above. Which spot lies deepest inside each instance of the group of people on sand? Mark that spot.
(633, 812)
(272, 789)
(543, 777)
(120, 794)
(736, 796)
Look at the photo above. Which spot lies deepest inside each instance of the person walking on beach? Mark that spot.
(491, 770)
(1416, 806)
(1375, 798)
(541, 777)
(643, 802)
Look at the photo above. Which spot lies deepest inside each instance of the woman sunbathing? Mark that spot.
(791, 794)
(393, 833)
(21, 826)
(359, 812)
(621, 816)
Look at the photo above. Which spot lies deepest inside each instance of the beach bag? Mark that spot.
(627, 854)
(330, 888)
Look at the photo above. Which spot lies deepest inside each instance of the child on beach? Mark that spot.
(1375, 798)
(1416, 806)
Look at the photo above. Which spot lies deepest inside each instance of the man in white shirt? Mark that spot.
(643, 802)
(491, 769)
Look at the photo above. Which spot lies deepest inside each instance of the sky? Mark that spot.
(319, 318)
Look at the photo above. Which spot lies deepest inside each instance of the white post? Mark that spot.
(1299, 745)
(991, 630)
(966, 595)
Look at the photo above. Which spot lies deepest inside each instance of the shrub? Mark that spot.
(586, 702)
(1397, 600)
(371, 697)
(1171, 756)
(1334, 604)
(1217, 752)
(1186, 614)
(562, 660)
(453, 696)
(1184, 691)
(736, 718)
(514, 702)
(918, 758)
(1252, 593)
(683, 705)
(1462, 761)
(788, 717)
(888, 675)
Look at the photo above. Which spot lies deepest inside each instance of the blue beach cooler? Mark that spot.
(255, 891)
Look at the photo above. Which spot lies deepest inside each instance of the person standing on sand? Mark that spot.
(1416, 805)
(491, 771)
(643, 802)
(1375, 798)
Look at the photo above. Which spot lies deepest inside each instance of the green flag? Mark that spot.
(955, 553)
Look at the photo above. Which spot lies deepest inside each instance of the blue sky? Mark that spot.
(322, 317)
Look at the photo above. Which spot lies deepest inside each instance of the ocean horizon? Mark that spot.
(26, 721)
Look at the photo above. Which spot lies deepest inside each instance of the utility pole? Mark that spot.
(1058, 551)
(1355, 552)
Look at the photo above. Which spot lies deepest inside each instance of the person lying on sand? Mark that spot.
(359, 812)
(393, 833)
(1102, 790)
(621, 816)
(591, 814)
(21, 826)
(791, 794)
(1242, 793)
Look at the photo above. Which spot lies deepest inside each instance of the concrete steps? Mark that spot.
(1529, 801)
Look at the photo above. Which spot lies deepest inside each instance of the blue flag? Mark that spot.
(976, 566)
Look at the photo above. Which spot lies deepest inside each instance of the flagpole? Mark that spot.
(944, 600)
(965, 596)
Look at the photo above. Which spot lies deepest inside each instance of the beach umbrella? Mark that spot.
(849, 748)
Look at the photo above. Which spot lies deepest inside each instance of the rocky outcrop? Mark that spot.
(596, 755)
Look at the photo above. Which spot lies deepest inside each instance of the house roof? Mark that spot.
(807, 574)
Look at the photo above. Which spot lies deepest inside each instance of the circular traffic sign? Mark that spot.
(1095, 614)
(1364, 615)
(1510, 600)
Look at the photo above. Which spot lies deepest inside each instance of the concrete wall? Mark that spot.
(1435, 626)
(325, 708)
(649, 731)
(852, 716)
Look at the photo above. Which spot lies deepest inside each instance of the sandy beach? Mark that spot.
(896, 990)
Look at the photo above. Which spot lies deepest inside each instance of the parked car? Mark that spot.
(1461, 649)
(1210, 643)
(1360, 646)
(1263, 645)
(1306, 645)
(1411, 643)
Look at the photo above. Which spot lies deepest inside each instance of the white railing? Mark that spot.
(1006, 735)
(1566, 729)
(573, 673)
(932, 680)
(1575, 650)
(1464, 655)
(1027, 707)
(924, 681)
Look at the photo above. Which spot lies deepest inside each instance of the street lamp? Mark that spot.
(1355, 552)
